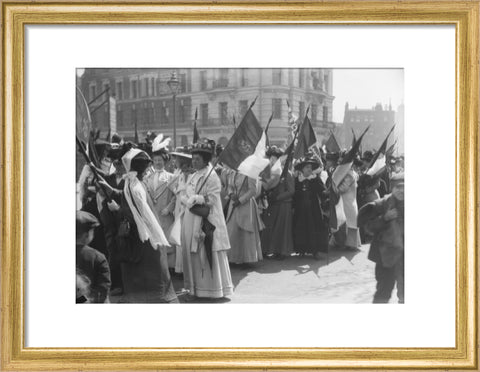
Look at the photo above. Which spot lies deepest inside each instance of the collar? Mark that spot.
(301, 178)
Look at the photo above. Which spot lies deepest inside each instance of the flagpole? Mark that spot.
(92, 167)
(108, 114)
(97, 97)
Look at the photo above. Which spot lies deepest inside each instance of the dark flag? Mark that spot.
(382, 150)
(243, 141)
(266, 130)
(346, 163)
(391, 149)
(306, 138)
(332, 144)
(136, 133)
(354, 139)
(378, 163)
(196, 136)
(289, 153)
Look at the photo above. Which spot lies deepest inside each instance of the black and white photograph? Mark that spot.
(239, 185)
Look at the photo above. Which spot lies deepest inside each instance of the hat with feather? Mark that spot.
(160, 146)
(204, 145)
(182, 152)
(309, 158)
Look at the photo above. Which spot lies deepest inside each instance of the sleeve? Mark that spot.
(371, 217)
(171, 204)
(156, 233)
(102, 279)
(288, 188)
(345, 184)
(251, 190)
(212, 189)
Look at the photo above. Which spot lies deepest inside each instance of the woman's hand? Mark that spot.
(195, 199)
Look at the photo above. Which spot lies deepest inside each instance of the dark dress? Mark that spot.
(277, 237)
(145, 274)
(310, 226)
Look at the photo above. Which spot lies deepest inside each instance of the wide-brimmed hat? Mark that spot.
(367, 156)
(160, 145)
(204, 146)
(134, 154)
(274, 151)
(307, 159)
(182, 152)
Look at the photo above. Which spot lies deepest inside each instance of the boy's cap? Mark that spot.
(86, 221)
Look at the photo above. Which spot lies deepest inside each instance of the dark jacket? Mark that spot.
(94, 266)
(387, 245)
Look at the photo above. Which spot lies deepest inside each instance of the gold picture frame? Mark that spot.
(464, 15)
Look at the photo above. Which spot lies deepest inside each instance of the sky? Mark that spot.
(363, 88)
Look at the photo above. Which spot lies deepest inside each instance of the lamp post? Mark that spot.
(174, 84)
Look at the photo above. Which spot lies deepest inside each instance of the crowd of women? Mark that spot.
(156, 213)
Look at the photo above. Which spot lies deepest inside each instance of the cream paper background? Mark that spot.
(427, 55)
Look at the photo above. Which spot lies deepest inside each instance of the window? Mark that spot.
(183, 83)
(203, 80)
(105, 86)
(325, 114)
(152, 86)
(314, 109)
(134, 91)
(145, 87)
(120, 122)
(119, 90)
(243, 78)
(182, 114)
(301, 110)
(134, 115)
(92, 92)
(242, 108)
(277, 108)
(164, 114)
(301, 78)
(223, 108)
(149, 114)
(159, 86)
(277, 76)
(204, 114)
(222, 81)
(325, 82)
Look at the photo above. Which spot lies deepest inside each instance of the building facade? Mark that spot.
(145, 101)
(379, 118)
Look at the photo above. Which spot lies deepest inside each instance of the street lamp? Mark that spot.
(174, 84)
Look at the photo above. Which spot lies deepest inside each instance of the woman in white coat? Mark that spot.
(205, 265)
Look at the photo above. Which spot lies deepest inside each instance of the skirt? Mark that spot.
(201, 279)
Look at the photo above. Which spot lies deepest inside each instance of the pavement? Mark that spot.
(340, 277)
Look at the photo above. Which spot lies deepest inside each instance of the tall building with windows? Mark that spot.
(144, 100)
(379, 118)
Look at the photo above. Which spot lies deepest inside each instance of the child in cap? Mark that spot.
(90, 262)
(384, 219)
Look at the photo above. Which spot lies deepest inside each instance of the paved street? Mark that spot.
(347, 278)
